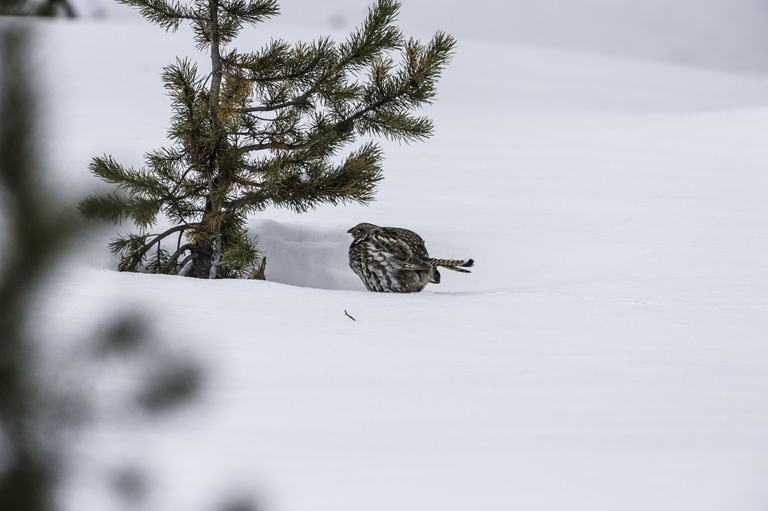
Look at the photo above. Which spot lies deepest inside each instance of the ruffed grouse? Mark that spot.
(395, 260)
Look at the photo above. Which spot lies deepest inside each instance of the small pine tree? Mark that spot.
(261, 129)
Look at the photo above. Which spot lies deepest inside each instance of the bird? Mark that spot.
(395, 260)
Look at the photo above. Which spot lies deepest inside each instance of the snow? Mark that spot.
(607, 352)
(723, 34)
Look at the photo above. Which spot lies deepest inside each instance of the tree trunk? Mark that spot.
(216, 123)
(202, 259)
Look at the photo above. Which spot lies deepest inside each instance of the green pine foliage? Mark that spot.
(264, 128)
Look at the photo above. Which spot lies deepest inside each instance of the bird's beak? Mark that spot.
(350, 231)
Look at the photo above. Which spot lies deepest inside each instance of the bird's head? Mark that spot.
(362, 229)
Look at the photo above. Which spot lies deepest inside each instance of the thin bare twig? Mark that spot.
(171, 260)
(272, 108)
(183, 264)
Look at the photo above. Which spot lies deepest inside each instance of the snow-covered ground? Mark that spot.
(608, 352)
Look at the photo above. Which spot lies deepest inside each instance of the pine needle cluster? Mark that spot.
(264, 128)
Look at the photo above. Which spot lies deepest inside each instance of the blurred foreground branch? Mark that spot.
(35, 232)
(37, 8)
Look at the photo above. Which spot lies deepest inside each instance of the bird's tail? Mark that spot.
(453, 264)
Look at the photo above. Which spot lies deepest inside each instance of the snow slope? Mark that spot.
(722, 34)
(607, 353)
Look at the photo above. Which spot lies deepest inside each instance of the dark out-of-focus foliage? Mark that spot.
(36, 232)
(37, 8)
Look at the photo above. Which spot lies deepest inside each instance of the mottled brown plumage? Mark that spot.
(395, 260)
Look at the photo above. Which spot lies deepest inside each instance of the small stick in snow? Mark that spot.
(347, 315)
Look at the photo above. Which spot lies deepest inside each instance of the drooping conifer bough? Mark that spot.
(263, 128)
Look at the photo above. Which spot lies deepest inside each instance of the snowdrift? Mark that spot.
(607, 352)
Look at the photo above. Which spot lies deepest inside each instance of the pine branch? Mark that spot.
(344, 125)
(304, 184)
(184, 263)
(376, 36)
(138, 246)
(137, 182)
(271, 108)
(387, 98)
(166, 13)
(115, 208)
(145, 192)
(173, 257)
(364, 46)
(250, 11)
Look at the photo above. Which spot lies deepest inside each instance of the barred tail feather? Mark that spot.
(454, 264)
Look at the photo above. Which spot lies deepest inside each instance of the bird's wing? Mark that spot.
(400, 252)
